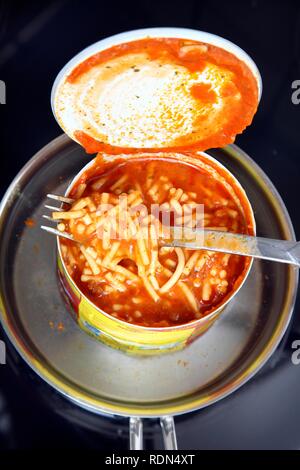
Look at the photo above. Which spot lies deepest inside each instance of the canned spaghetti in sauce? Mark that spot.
(214, 280)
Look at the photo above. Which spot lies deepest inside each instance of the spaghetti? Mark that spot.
(118, 262)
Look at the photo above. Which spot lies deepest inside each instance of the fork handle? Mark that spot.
(294, 252)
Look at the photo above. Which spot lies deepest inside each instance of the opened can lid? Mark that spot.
(157, 89)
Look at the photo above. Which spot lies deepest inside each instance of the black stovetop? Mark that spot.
(36, 40)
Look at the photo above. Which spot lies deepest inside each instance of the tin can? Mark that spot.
(137, 339)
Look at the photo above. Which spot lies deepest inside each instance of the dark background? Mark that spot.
(38, 38)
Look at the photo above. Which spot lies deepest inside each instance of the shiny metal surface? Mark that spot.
(282, 251)
(105, 380)
(136, 433)
(169, 433)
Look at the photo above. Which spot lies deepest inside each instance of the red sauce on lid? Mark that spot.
(158, 93)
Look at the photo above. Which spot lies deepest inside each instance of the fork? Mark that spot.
(54, 231)
(283, 251)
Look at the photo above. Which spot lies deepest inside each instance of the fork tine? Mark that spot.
(48, 217)
(55, 209)
(67, 200)
(57, 232)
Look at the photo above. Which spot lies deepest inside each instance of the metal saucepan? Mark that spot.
(104, 380)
